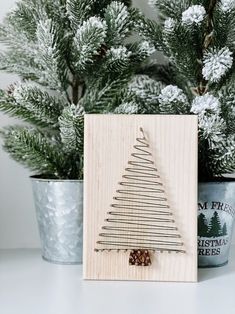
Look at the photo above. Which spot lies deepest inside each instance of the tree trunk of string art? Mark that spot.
(140, 219)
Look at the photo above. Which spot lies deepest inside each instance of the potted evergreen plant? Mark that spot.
(72, 58)
(198, 77)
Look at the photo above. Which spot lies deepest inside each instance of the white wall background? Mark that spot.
(18, 227)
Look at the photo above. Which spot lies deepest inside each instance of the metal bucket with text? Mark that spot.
(216, 213)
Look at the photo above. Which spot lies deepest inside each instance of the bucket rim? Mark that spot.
(219, 180)
(41, 179)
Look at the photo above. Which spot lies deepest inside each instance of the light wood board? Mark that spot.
(109, 141)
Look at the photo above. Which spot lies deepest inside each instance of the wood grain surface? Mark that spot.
(109, 141)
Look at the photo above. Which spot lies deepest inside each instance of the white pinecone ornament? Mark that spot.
(207, 102)
(216, 64)
(195, 14)
(211, 128)
(171, 94)
(227, 5)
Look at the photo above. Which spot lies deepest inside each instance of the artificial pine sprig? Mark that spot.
(30, 103)
(73, 57)
(197, 37)
(34, 150)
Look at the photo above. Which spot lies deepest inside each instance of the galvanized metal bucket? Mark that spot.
(216, 212)
(59, 209)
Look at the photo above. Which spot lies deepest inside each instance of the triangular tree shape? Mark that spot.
(140, 219)
(224, 230)
(215, 229)
(202, 225)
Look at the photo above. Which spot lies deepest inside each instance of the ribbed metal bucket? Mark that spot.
(59, 209)
(216, 212)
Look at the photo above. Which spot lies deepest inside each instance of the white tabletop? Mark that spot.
(28, 285)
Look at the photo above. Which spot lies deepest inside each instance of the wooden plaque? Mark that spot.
(140, 197)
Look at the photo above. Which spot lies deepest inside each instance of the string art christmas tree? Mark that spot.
(140, 219)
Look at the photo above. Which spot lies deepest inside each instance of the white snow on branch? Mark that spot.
(119, 53)
(169, 25)
(152, 3)
(119, 11)
(127, 108)
(71, 122)
(145, 88)
(47, 54)
(95, 22)
(118, 20)
(88, 39)
(146, 48)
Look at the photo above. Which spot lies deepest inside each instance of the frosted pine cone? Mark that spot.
(173, 100)
(171, 93)
(204, 103)
(194, 15)
(169, 25)
(227, 5)
(216, 64)
(212, 128)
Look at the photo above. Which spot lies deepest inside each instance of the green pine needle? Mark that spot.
(32, 149)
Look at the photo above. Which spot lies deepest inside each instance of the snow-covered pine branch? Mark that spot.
(69, 54)
(198, 37)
